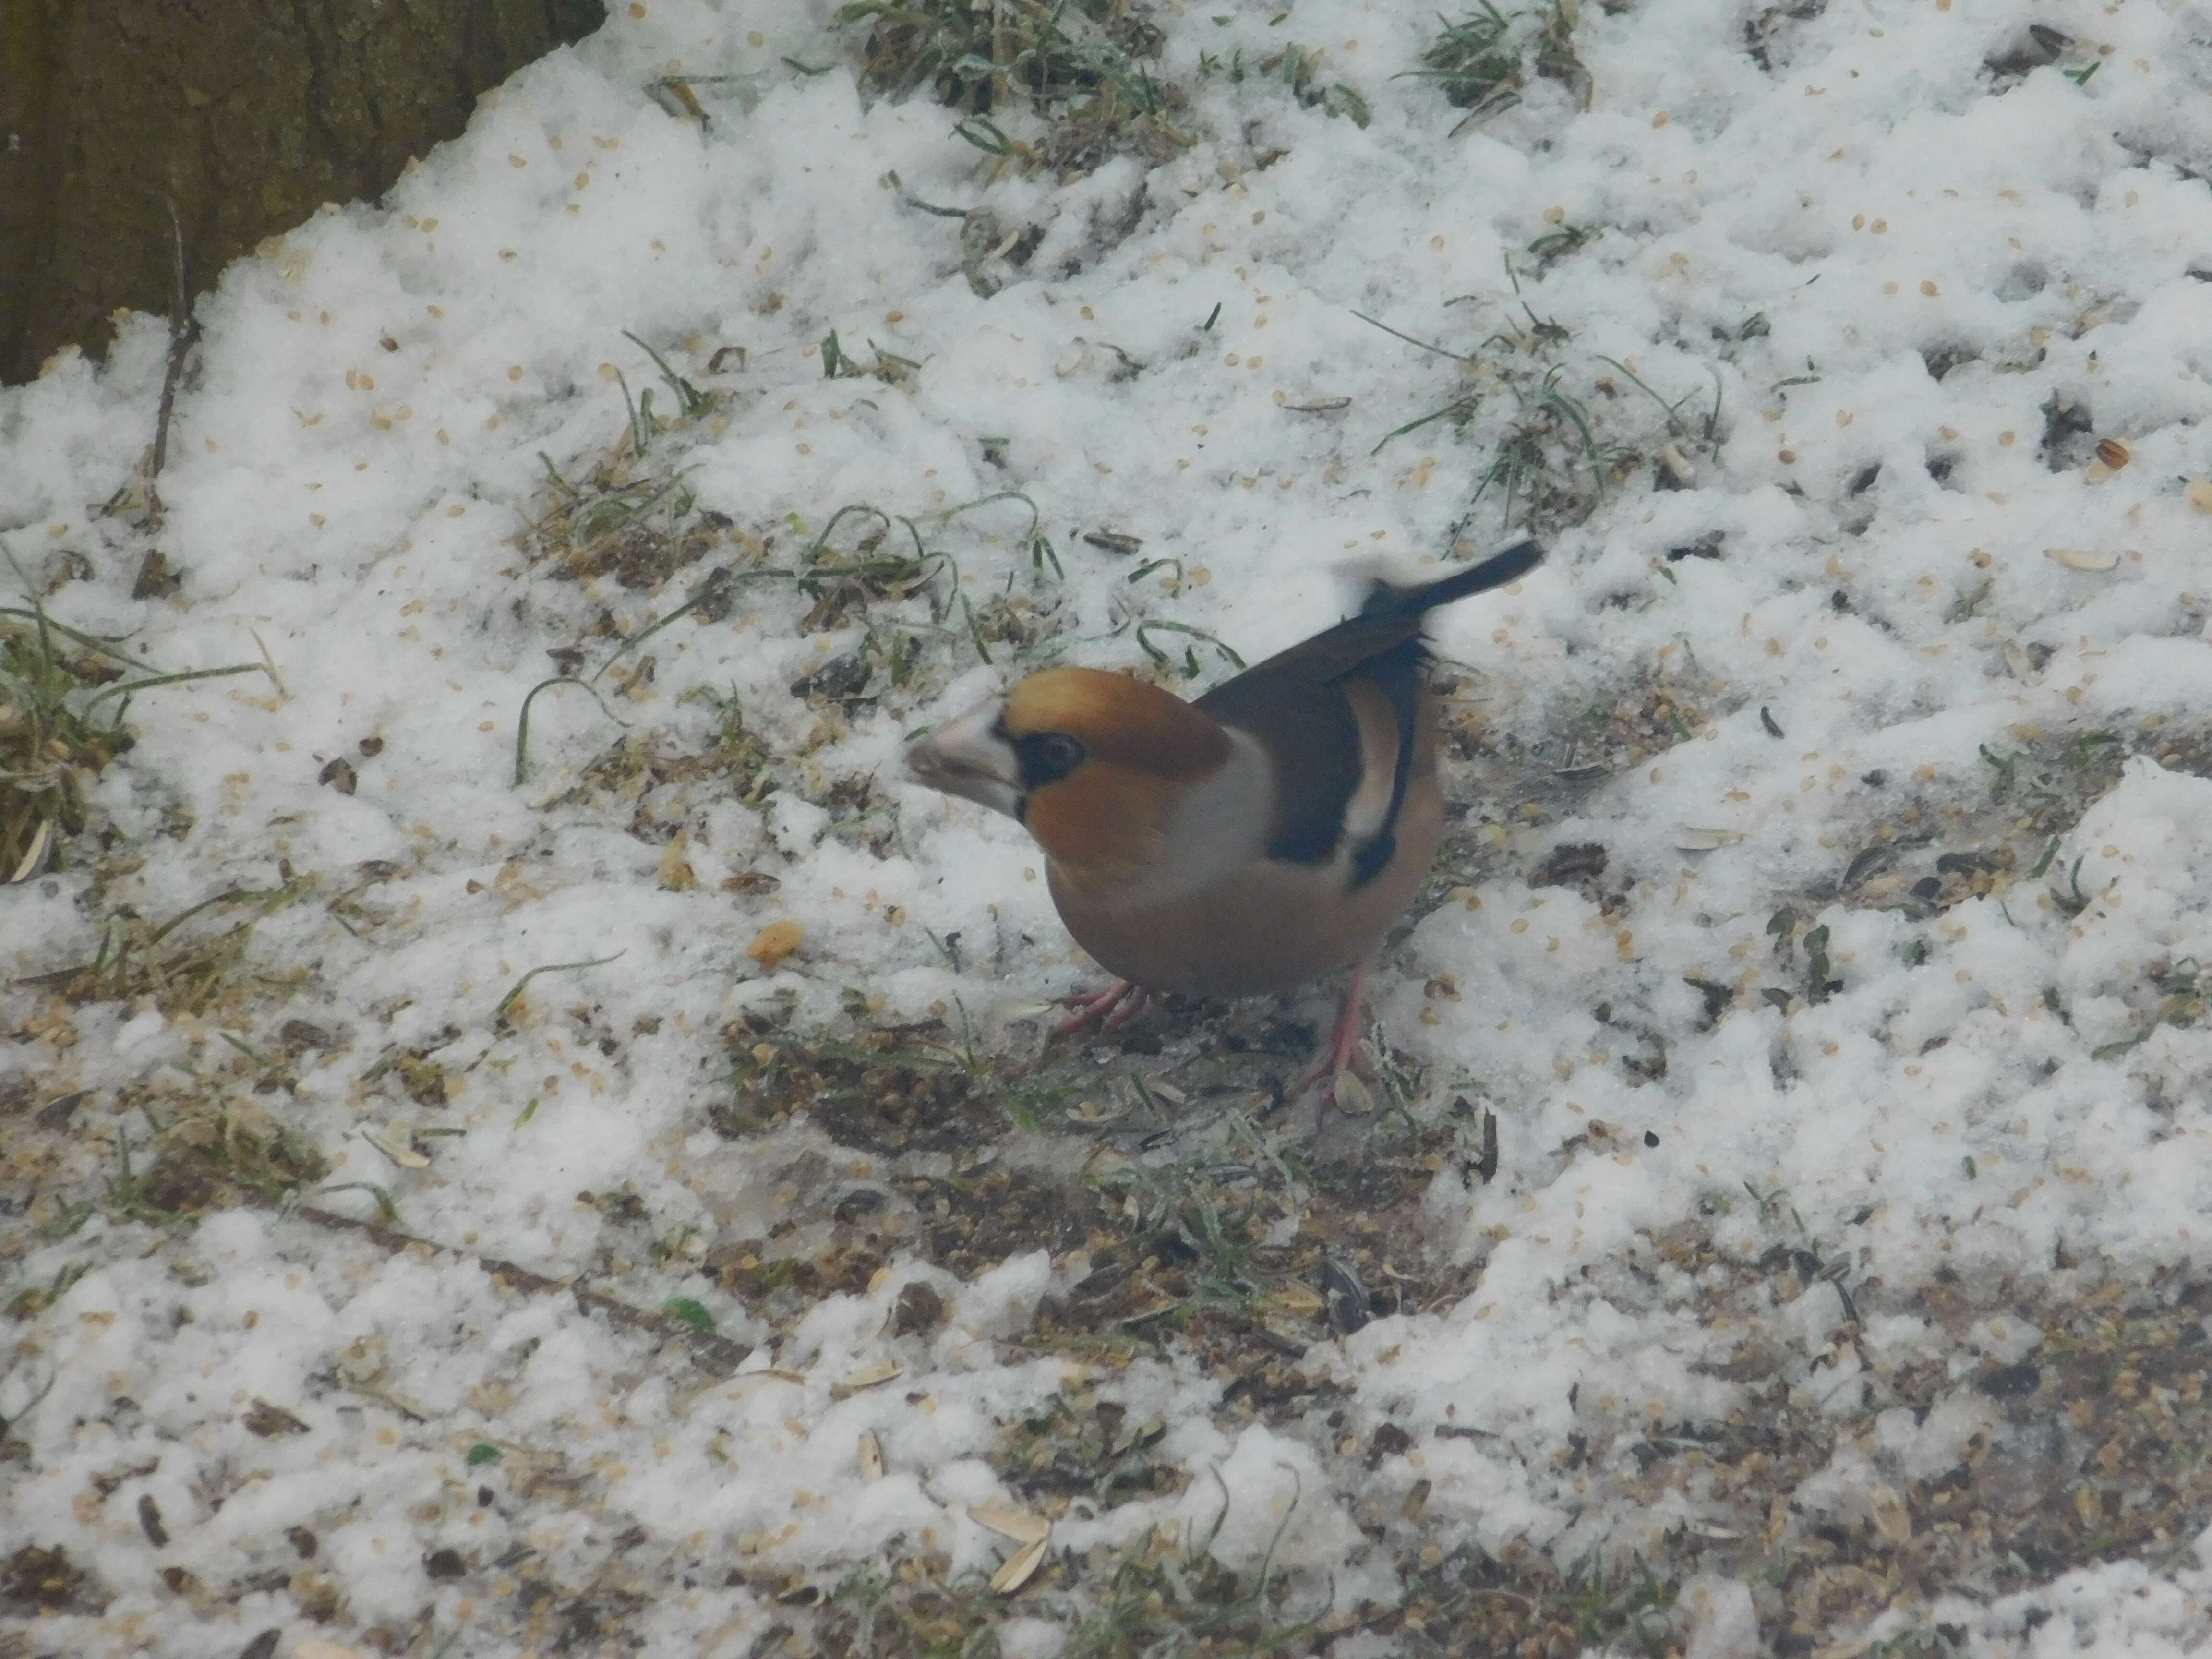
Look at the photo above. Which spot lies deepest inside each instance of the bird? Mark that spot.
(1260, 837)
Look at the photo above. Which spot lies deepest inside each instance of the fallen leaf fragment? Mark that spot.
(771, 1373)
(35, 856)
(1020, 1567)
(675, 867)
(1890, 1519)
(395, 1147)
(774, 943)
(871, 1377)
(1008, 1521)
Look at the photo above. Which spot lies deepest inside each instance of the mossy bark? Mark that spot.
(245, 114)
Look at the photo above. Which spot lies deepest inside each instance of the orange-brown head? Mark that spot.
(1094, 763)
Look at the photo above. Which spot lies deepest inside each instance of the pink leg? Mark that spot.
(1116, 1006)
(1137, 1000)
(1343, 1054)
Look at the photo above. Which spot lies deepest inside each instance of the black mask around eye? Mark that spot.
(1046, 757)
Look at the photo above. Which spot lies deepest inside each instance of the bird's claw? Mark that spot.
(1114, 1008)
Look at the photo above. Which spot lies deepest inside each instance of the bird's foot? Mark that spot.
(1344, 1063)
(1114, 1008)
(1346, 1071)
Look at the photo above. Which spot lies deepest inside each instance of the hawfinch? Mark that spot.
(1264, 836)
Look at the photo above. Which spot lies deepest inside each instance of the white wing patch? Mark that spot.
(1369, 806)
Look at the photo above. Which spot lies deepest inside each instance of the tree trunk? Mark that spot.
(247, 115)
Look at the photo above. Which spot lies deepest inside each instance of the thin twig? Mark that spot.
(183, 331)
(717, 1354)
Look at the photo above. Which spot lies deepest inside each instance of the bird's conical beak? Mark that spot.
(971, 758)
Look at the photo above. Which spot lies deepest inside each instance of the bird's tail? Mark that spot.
(1385, 600)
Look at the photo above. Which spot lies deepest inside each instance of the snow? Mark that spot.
(376, 402)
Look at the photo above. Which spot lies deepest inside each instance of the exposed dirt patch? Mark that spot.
(2085, 1450)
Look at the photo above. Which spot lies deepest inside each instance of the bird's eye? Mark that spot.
(1048, 756)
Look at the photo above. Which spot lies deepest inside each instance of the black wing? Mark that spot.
(1296, 704)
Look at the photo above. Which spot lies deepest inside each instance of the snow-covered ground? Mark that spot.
(1855, 1163)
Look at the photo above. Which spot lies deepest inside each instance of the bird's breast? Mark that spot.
(1265, 925)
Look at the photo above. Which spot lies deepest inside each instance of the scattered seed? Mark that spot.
(1867, 862)
(871, 1456)
(861, 1203)
(2113, 454)
(1486, 1165)
(2011, 1381)
(1349, 1305)
(1691, 839)
(1567, 863)
(918, 1309)
(2076, 558)
(268, 1420)
(774, 943)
